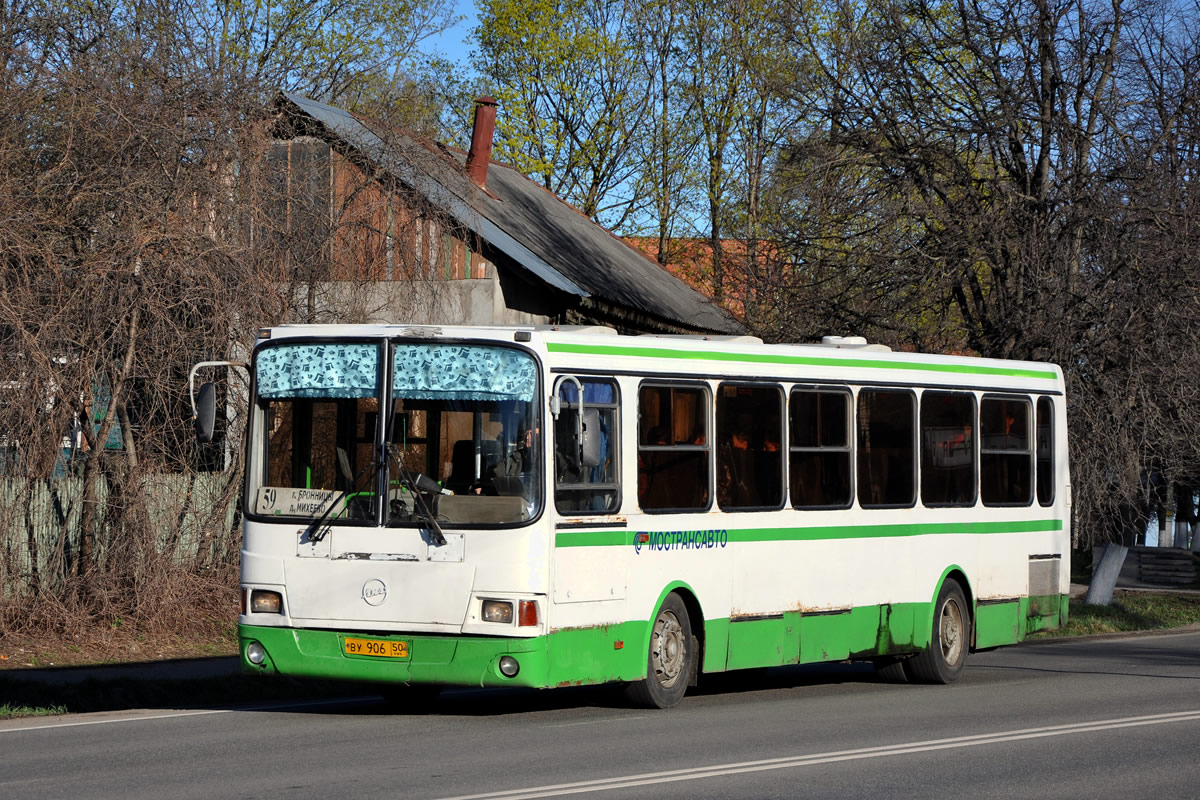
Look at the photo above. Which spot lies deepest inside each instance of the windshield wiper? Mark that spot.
(317, 529)
(420, 484)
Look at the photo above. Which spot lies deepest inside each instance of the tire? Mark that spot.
(671, 661)
(946, 657)
(891, 669)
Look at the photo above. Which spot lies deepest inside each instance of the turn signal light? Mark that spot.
(527, 616)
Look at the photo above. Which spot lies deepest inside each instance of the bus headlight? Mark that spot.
(498, 611)
(263, 601)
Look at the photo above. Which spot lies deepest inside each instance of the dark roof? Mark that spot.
(532, 227)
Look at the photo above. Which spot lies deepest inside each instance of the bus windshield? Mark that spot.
(332, 443)
(465, 414)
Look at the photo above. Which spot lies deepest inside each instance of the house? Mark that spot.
(408, 230)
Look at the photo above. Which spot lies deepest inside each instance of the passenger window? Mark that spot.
(947, 449)
(581, 487)
(749, 451)
(673, 448)
(1006, 452)
(886, 448)
(1045, 451)
(819, 449)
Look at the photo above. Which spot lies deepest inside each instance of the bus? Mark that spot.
(541, 506)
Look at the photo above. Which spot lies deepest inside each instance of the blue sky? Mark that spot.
(453, 43)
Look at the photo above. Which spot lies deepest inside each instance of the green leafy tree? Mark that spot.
(332, 50)
(714, 77)
(572, 98)
(731, 72)
(666, 152)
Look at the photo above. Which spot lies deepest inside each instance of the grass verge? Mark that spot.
(1131, 611)
(10, 711)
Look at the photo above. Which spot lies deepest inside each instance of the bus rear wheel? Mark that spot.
(892, 669)
(946, 657)
(671, 661)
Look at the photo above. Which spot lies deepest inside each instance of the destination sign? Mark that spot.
(292, 502)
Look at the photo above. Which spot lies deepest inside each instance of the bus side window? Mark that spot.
(674, 467)
(1045, 451)
(581, 488)
(749, 456)
(887, 434)
(947, 448)
(819, 448)
(1006, 451)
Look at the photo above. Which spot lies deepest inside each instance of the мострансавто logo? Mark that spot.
(680, 540)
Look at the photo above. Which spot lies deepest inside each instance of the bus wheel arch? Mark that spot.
(951, 634)
(673, 650)
(696, 616)
(957, 574)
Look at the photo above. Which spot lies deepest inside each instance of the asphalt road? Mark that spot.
(1103, 718)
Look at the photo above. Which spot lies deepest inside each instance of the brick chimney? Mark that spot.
(481, 140)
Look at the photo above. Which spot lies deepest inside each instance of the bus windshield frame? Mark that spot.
(464, 416)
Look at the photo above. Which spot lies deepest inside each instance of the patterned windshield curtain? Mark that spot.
(463, 372)
(318, 370)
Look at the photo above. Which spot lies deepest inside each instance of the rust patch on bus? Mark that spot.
(605, 627)
(822, 609)
(608, 521)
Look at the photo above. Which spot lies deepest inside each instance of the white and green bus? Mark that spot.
(544, 507)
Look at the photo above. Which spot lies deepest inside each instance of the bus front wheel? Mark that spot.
(671, 660)
(946, 657)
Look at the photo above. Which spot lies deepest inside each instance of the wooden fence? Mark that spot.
(187, 520)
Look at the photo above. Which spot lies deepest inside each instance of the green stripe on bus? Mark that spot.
(791, 360)
(605, 538)
(611, 538)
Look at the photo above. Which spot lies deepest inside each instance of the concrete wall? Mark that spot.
(471, 301)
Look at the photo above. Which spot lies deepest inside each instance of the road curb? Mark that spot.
(1091, 637)
(184, 669)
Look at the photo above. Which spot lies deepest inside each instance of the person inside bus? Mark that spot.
(514, 442)
(736, 485)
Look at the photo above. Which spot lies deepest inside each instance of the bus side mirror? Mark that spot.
(206, 412)
(591, 445)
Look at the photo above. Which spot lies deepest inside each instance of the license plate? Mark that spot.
(384, 648)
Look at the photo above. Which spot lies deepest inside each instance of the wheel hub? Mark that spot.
(951, 632)
(668, 651)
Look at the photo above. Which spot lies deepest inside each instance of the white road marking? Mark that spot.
(621, 718)
(788, 762)
(136, 718)
(18, 727)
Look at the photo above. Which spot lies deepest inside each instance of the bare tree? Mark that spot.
(146, 227)
(1013, 180)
